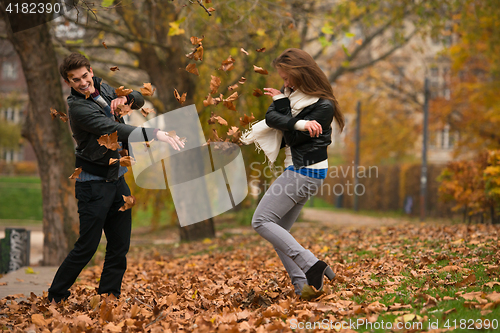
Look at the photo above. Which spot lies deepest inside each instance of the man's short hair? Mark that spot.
(74, 61)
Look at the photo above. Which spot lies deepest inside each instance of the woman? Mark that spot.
(300, 117)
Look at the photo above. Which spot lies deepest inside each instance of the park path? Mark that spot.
(22, 282)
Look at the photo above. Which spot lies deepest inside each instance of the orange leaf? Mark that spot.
(208, 101)
(245, 120)
(233, 130)
(127, 161)
(104, 44)
(76, 173)
(123, 109)
(228, 64)
(261, 50)
(179, 98)
(233, 97)
(109, 141)
(196, 54)
(146, 111)
(147, 89)
(129, 203)
(196, 40)
(121, 91)
(257, 92)
(214, 84)
(260, 70)
(229, 105)
(87, 94)
(114, 68)
(191, 68)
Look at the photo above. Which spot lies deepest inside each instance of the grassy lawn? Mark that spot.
(20, 199)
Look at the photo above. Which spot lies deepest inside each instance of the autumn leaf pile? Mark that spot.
(236, 283)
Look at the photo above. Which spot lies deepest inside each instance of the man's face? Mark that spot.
(81, 80)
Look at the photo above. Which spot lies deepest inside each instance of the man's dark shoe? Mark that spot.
(315, 274)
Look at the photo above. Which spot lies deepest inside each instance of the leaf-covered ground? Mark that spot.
(419, 277)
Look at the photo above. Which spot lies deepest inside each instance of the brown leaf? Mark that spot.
(465, 282)
(76, 173)
(123, 109)
(234, 86)
(260, 70)
(94, 301)
(87, 94)
(114, 68)
(216, 136)
(245, 120)
(129, 203)
(233, 97)
(113, 160)
(210, 9)
(171, 134)
(243, 51)
(233, 130)
(242, 80)
(179, 98)
(229, 105)
(127, 161)
(214, 118)
(104, 44)
(146, 111)
(196, 40)
(214, 84)
(257, 92)
(123, 152)
(228, 64)
(109, 141)
(196, 54)
(191, 68)
(121, 91)
(54, 113)
(261, 50)
(147, 89)
(494, 297)
(208, 101)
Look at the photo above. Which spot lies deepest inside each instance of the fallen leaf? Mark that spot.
(76, 173)
(179, 98)
(109, 141)
(104, 44)
(114, 68)
(191, 68)
(260, 70)
(465, 282)
(121, 91)
(129, 203)
(38, 319)
(147, 89)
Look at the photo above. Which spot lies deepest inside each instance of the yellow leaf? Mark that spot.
(175, 27)
(30, 270)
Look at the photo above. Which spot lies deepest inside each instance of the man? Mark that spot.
(100, 186)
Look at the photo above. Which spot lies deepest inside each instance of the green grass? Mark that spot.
(20, 200)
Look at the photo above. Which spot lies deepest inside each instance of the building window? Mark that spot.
(8, 156)
(9, 70)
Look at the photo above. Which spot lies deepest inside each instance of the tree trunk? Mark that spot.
(51, 139)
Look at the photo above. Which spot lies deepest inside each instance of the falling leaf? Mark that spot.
(127, 161)
(54, 113)
(208, 101)
(147, 89)
(257, 92)
(196, 40)
(216, 136)
(129, 203)
(228, 64)
(76, 173)
(359, 41)
(242, 80)
(245, 120)
(233, 130)
(211, 9)
(243, 51)
(104, 44)
(233, 97)
(260, 70)
(261, 50)
(214, 118)
(196, 54)
(171, 134)
(121, 91)
(234, 86)
(229, 105)
(124, 152)
(109, 141)
(87, 94)
(123, 109)
(191, 68)
(179, 98)
(214, 84)
(175, 28)
(146, 111)
(114, 68)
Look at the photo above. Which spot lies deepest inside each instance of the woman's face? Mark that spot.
(286, 80)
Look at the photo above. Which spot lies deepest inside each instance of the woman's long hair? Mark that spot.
(306, 75)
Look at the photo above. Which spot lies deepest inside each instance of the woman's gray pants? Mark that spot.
(275, 215)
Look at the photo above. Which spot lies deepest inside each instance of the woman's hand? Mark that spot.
(175, 142)
(314, 128)
(271, 92)
(117, 101)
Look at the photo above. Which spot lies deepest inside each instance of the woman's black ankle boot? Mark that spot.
(315, 274)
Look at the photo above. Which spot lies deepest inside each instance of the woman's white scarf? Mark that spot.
(269, 139)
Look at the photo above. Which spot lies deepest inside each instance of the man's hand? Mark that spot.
(314, 128)
(116, 102)
(175, 142)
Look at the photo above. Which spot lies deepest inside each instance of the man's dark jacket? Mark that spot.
(306, 150)
(89, 122)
